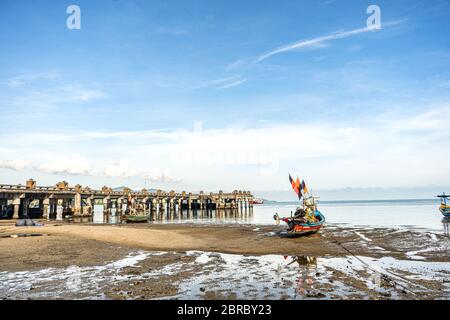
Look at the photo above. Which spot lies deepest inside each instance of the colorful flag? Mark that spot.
(295, 186)
(303, 187)
(291, 181)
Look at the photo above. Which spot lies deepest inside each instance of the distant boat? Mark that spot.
(258, 201)
(444, 208)
(136, 218)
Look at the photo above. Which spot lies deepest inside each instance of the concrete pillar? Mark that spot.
(119, 206)
(144, 205)
(106, 205)
(90, 205)
(46, 209)
(59, 213)
(77, 206)
(16, 205)
(178, 205)
(153, 209)
(51, 208)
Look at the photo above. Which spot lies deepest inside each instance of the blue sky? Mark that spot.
(225, 94)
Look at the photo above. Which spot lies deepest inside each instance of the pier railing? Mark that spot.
(79, 201)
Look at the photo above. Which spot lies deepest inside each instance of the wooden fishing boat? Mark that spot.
(307, 219)
(297, 227)
(136, 218)
(444, 208)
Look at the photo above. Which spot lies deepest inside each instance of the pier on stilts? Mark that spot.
(62, 200)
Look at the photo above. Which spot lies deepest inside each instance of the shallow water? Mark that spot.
(409, 214)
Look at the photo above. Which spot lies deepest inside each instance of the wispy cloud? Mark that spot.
(173, 30)
(27, 78)
(233, 84)
(37, 100)
(321, 41)
(223, 83)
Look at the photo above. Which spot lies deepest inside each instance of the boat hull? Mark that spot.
(136, 219)
(445, 211)
(303, 229)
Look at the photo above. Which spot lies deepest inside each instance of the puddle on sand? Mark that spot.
(216, 275)
(304, 277)
(72, 282)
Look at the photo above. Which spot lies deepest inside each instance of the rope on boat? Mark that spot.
(385, 276)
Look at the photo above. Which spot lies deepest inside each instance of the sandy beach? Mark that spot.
(219, 261)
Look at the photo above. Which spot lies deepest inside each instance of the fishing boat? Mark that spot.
(307, 219)
(135, 218)
(444, 208)
(258, 201)
(304, 226)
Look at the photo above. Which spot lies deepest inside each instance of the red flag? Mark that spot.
(295, 186)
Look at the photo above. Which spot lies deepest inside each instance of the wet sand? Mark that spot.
(197, 261)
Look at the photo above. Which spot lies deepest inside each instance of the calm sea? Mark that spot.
(411, 214)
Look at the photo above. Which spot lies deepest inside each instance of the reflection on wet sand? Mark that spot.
(446, 224)
(304, 260)
(305, 279)
(182, 216)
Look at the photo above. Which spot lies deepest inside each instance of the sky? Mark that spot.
(224, 95)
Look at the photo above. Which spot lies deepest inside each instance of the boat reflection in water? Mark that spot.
(304, 261)
(305, 282)
(184, 216)
(204, 216)
(446, 223)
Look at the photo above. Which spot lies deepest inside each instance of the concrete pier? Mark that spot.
(62, 200)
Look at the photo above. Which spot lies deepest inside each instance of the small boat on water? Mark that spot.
(136, 218)
(307, 219)
(444, 208)
(258, 201)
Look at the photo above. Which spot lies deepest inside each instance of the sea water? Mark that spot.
(409, 214)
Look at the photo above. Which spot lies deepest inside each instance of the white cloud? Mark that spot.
(431, 121)
(16, 164)
(122, 169)
(157, 175)
(73, 165)
(382, 151)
